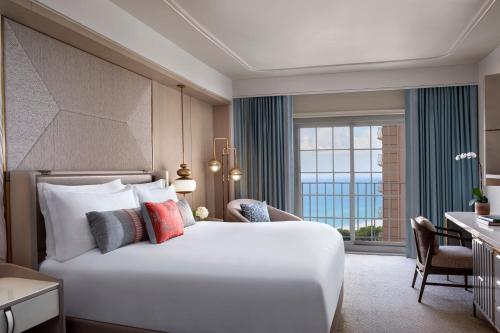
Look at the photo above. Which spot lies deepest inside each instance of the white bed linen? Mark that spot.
(218, 277)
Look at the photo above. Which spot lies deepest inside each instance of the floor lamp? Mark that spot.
(215, 166)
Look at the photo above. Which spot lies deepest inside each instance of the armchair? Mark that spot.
(275, 214)
(435, 259)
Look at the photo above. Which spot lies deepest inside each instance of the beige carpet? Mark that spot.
(379, 298)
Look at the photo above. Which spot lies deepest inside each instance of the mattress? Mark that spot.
(217, 277)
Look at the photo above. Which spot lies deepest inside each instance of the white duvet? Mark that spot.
(217, 277)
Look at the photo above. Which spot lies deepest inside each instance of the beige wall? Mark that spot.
(222, 129)
(167, 140)
(489, 65)
(355, 101)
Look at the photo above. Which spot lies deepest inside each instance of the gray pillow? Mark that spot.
(255, 212)
(114, 229)
(186, 213)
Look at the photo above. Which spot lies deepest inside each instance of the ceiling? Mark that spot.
(261, 38)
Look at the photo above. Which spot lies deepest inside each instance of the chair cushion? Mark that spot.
(255, 212)
(426, 223)
(453, 257)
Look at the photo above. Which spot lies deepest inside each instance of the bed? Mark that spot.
(218, 277)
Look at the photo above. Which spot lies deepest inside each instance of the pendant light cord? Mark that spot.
(182, 121)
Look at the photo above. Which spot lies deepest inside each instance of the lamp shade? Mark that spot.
(184, 185)
(214, 165)
(235, 174)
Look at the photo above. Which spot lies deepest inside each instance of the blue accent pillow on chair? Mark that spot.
(255, 212)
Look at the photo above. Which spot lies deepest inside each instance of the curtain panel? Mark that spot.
(263, 133)
(440, 123)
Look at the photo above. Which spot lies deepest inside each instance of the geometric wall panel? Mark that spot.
(3, 228)
(69, 110)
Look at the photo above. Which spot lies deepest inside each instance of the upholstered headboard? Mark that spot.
(27, 225)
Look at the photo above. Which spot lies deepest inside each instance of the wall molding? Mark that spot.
(394, 79)
(348, 113)
(205, 32)
(83, 25)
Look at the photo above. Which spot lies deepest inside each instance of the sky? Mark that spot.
(326, 149)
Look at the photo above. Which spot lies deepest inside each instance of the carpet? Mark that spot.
(379, 298)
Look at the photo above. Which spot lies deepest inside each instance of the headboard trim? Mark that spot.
(27, 225)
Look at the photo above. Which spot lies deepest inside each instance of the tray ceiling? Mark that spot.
(293, 36)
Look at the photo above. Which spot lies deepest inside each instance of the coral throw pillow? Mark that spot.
(163, 221)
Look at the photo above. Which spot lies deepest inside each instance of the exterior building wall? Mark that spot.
(393, 178)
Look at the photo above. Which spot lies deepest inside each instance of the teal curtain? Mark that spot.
(263, 133)
(440, 123)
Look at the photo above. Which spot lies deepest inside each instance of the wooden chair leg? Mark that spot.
(474, 309)
(465, 281)
(422, 287)
(414, 277)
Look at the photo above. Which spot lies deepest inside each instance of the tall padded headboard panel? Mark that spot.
(66, 109)
(27, 225)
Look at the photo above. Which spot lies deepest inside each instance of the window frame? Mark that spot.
(351, 122)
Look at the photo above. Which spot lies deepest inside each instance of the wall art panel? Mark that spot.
(69, 110)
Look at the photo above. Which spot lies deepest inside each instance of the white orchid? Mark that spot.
(478, 192)
(464, 156)
(201, 212)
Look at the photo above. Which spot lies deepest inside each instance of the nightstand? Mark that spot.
(30, 299)
(211, 219)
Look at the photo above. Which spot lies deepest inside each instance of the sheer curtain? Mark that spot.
(263, 133)
(440, 123)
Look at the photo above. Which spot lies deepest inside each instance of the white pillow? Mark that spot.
(72, 235)
(43, 188)
(157, 195)
(149, 186)
(159, 184)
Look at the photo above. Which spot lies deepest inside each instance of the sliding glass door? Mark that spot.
(351, 175)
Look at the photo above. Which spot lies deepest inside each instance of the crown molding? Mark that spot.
(348, 113)
(184, 14)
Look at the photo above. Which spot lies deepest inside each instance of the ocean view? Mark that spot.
(329, 202)
(342, 169)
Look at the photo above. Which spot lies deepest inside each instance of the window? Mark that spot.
(352, 177)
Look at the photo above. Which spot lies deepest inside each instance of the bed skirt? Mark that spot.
(77, 325)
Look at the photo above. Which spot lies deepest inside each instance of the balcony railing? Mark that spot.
(366, 211)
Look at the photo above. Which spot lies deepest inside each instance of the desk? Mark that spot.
(467, 221)
(486, 264)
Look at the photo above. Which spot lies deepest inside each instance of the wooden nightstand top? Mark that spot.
(211, 219)
(14, 290)
(29, 298)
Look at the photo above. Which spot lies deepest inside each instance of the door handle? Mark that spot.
(10, 320)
